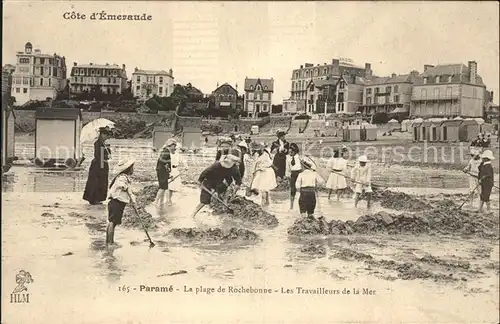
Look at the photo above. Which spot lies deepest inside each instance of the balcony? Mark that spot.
(439, 98)
(382, 94)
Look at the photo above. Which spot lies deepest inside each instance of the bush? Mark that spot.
(304, 116)
(263, 114)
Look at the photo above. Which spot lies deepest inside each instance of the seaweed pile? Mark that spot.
(399, 201)
(144, 197)
(445, 218)
(246, 210)
(214, 235)
(314, 250)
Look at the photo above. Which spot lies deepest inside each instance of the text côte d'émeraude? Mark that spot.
(103, 15)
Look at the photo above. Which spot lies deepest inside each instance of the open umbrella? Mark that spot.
(90, 132)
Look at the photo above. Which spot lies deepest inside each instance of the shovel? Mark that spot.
(151, 244)
(229, 209)
(249, 191)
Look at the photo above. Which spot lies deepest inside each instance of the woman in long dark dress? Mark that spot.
(486, 179)
(96, 189)
(280, 148)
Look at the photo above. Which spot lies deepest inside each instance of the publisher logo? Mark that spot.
(20, 294)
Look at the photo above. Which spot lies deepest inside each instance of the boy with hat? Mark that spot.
(119, 197)
(307, 182)
(295, 169)
(211, 178)
(361, 174)
(486, 179)
(472, 169)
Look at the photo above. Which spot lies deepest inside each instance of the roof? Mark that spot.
(58, 113)
(98, 66)
(269, 83)
(151, 72)
(459, 73)
(467, 122)
(225, 84)
(452, 122)
(321, 83)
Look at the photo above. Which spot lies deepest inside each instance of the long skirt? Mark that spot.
(280, 163)
(264, 180)
(336, 181)
(162, 175)
(96, 189)
(473, 184)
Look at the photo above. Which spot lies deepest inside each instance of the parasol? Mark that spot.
(90, 132)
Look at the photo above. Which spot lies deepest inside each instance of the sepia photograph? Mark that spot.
(250, 162)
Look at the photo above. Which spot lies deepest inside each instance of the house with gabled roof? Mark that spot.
(321, 92)
(391, 95)
(349, 93)
(225, 96)
(258, 96)
(148, 83)
(448, 90)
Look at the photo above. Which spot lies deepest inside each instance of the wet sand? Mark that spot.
(51, 232)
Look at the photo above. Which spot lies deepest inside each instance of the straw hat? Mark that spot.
(474, 151)
(363, 158)
(280, 132)
(122, 166)
(243, 144)
(234, 155)
(308, 163)
(488, 154)
(170, 142)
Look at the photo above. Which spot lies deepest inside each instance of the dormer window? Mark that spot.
(449, 78)
(265, 88)
(258, 87)
(425, 80)
(251, 87)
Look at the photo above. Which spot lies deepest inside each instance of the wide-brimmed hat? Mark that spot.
(243, 144)
(280, 132)
(308, 163)
(488, 154)
(363, 158)
(234, 155)
(258, 146)
(474, 151)
(170, 142)
(122, 166)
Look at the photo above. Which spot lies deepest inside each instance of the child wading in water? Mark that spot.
(336, 181)
(119, 196)
(163, 170)
(295, 169)
(362, 177)
(486, 179)
(473, 170)
(212, 177)
(265, 178)
(307, 182)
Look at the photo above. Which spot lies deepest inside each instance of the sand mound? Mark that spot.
(314, 250)
(443, 219)
(399, 201)
(214, 235)
(144, 197)
(246, 210)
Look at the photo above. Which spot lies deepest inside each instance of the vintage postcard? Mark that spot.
(250, 162)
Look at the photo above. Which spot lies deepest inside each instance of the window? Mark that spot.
(316, 72)
(114, 80)
(50, 82)
(396, 99)
(325, 71)
(369, 101)
(449, 78)
(474, 93)
(41, 82)
(438, 79)
(425, 80)
(436, 93)
(18, 90)
(296, 75)
(160, 90)
(161, 80)
(138, 79)
(311, 88)
(41, 71)
(448, 92)
(92, 72)
(306, 74)
(293, 85)
(423, 93)
(98, 72)
(368, 91)
(264, 108)
(24, 60)
(260, 96)
(42, 61)
(114, 72)
(138, 88)
(396, 89)
(25, 90)
(311, 98)
(25, 81)
(342, 85)
(109, 80)
(377, 90)
(82, 72)
(388, 89)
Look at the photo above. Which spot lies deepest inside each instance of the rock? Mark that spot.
(66, 254)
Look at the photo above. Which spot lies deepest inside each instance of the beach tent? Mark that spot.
(415, 126)
(370, 131)
(450, 130)
(405, 125)
(468, 130)
(432, 130)
(487, 128)
(57, 136)
(354, 133)
(8, 136)
(160, 135)
(458, 118)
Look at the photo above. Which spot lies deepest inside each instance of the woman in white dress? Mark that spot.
(337, 166)
(265, 179)
(175, 181)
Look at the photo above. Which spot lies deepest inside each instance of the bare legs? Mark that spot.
(368, 199)
(265, 198)
(292, 200)
(481, 204)
(110, 233)
(337, 192)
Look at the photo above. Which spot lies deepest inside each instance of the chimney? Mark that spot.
(335, 62)
(491, 96)
(91, 63)
(217, 84)
(171, 72)
(427, 66)
(135, 70)
(123, 66)
(301, 66)
(368, 70)
(75, 64)
(393, 75)
(236, 86)
(473, 71)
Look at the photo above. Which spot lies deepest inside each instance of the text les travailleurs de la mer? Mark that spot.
(103, 15)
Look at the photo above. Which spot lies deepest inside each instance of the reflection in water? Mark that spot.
(27, 179)
(108, 264)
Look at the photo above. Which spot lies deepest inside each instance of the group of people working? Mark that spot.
(481, 176)
(482, 140)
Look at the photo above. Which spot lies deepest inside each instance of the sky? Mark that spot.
(210, 43)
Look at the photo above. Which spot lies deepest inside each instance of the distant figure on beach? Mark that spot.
(163, 173)
(472, 169)
(264, 179)
(486, 179)
(96, 188)
(308, 182)
(295, 169)
(362, 177)
(336, 180)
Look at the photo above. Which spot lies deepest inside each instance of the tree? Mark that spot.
(380, 118)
